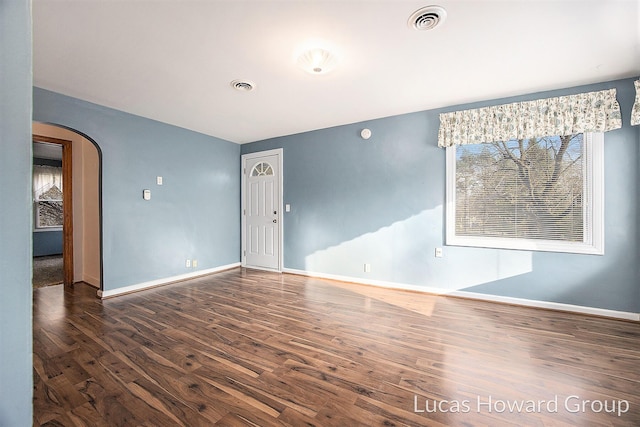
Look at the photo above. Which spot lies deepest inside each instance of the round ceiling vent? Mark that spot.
(427, 18)
(243, 85)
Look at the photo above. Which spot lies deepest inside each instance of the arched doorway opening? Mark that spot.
(82, 233)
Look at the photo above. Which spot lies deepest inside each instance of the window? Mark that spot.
(538, 194)
(47, 197)
(262, 169)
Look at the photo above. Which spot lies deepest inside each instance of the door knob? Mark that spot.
(275, 221)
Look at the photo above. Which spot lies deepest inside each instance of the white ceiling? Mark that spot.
(173, 60)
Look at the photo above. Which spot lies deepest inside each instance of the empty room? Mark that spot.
(393, 213)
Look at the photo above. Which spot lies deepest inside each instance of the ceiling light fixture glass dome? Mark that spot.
(317, 61)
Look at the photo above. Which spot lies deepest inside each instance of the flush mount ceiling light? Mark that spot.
(317, 61)
(243, 85)
(427, 18)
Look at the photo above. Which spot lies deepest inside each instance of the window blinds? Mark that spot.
(497, 197)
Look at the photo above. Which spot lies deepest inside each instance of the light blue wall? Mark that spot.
(16, 381)
(380, 201)
(47, 243)
(195, 214)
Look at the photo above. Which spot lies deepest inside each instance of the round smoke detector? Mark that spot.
(427, 18)
(243, 85)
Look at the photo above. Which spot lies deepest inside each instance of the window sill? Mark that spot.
(528, 245)
(43, 230)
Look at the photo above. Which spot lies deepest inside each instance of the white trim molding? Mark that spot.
(548, 305)
(165, 281)
(93, 281)
(361, 281)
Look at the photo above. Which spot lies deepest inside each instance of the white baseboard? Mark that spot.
(549, 305)
(361, 281)
(93, 281)
(165, 281)
(594, 311)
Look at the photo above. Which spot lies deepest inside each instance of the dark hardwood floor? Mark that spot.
(252, 348)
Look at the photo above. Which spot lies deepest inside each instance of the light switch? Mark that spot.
(287, 208)
(146, 194)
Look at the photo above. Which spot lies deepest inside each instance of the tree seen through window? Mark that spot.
(529, 189)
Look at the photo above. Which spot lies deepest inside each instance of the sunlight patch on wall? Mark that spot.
(402, 255)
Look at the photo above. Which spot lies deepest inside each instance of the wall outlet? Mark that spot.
(438, 253)
(194, 263)
(367, 268)
(187, 263)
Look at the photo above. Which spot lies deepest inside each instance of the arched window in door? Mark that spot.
(262, 169)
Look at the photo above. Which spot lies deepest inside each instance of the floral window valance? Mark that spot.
(635, 112)
(564, 115)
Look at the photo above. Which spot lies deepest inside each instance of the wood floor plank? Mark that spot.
(86, 416)
(252, 348)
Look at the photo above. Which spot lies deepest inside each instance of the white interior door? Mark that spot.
(261, 210)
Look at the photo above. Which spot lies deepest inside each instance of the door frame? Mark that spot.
(279, 152)
(67, 205)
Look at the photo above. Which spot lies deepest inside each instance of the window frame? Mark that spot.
(268, 171)
(593, 239)
(37, 226)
